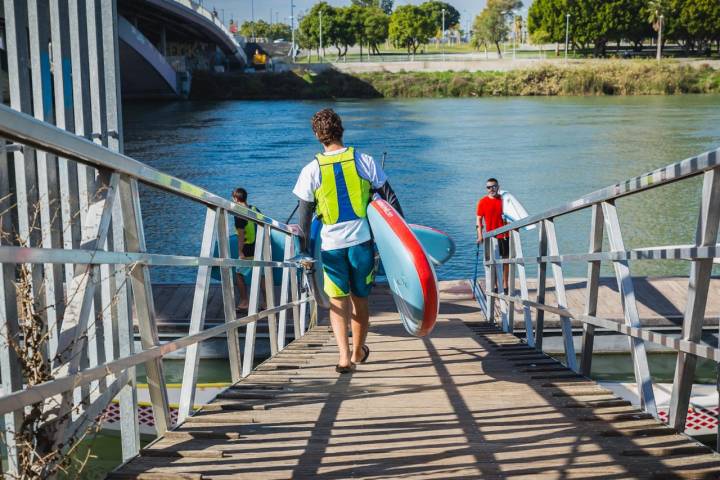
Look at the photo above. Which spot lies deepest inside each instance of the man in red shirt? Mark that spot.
(490, 210)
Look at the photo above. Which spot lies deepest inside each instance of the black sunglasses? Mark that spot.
(491, 187)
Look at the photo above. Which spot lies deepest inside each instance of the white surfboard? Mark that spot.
(513, 210)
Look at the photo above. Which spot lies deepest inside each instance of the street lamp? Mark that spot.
(659, 45)
(443, 34)
(320, 52)
(292, 30)
(567, 34)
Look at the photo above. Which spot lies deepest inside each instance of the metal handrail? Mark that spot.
(122, 174)
(25, 129)
(702, 255)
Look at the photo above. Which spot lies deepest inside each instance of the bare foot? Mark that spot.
(243, 305)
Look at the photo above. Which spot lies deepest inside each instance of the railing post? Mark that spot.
(295, 296)
(560, 296)
(197, 315)
(591, 289)
(254, 300)
(541, 286)
(516, 242)
(144, 304)
(10, 375)
(630, 311)
(490, 276)
(228, 293)
(509, 317)
(698, 285)
(270, 292)
(46, 164)
(285, 291)
(304, 305)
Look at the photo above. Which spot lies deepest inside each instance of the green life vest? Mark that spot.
(343, 194)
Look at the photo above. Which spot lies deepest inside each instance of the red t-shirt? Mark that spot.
(491, 209)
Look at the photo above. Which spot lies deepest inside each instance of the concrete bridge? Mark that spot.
(163, 41)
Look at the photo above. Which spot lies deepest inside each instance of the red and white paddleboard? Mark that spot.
(409, 271)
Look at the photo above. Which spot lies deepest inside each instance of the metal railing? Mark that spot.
(74, 264)
(131, 263)
(604, 219)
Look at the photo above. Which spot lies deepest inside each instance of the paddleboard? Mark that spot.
(410, 273)
(513, 210)
(437, 244)
(277, 242)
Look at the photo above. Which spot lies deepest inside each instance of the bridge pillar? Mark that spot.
(163, 41)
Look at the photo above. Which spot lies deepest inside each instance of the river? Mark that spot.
(546, 151)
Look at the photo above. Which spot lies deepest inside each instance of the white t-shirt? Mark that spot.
(343, 234)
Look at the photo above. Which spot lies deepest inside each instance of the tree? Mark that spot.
(384, 5)
(309, 27)
(279, 31)
(376, 28)
(701, 20)
(342, 30)
(410, 27)
(259, 29)
(434, 9)
(491, 26)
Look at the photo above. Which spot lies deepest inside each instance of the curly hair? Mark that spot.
(327, 126)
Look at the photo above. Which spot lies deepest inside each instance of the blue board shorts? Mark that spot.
(349, 270)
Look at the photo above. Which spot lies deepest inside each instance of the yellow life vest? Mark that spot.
(343, 194)
(250, 228)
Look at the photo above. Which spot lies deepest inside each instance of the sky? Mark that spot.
(241, 9)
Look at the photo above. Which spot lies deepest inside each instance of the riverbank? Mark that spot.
(591, 78)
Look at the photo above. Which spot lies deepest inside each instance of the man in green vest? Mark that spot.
(245, 231)
(337, 186)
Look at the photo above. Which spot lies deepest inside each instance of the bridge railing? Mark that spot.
(90, 348)
(604, 222)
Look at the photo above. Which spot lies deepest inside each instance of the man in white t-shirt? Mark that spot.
(337, 186)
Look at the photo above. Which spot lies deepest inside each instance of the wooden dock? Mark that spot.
(661, 301)
(466, 402)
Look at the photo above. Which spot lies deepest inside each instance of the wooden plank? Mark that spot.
(436, 407)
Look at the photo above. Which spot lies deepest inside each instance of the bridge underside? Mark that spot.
(144, 70)
(467, 402)
(162, 37)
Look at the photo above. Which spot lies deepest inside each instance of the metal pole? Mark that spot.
(252, 18)
(443, 34)
(514, 34)
(567, 34)
(659, 45)
(320, 51)
(292, 30)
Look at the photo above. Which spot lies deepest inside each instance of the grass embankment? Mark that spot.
(596, 78)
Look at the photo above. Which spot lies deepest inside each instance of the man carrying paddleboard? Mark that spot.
(490, 210)
(337, 186)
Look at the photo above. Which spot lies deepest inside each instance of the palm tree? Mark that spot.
(657, 10)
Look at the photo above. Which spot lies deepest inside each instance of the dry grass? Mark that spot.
(609, 77)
